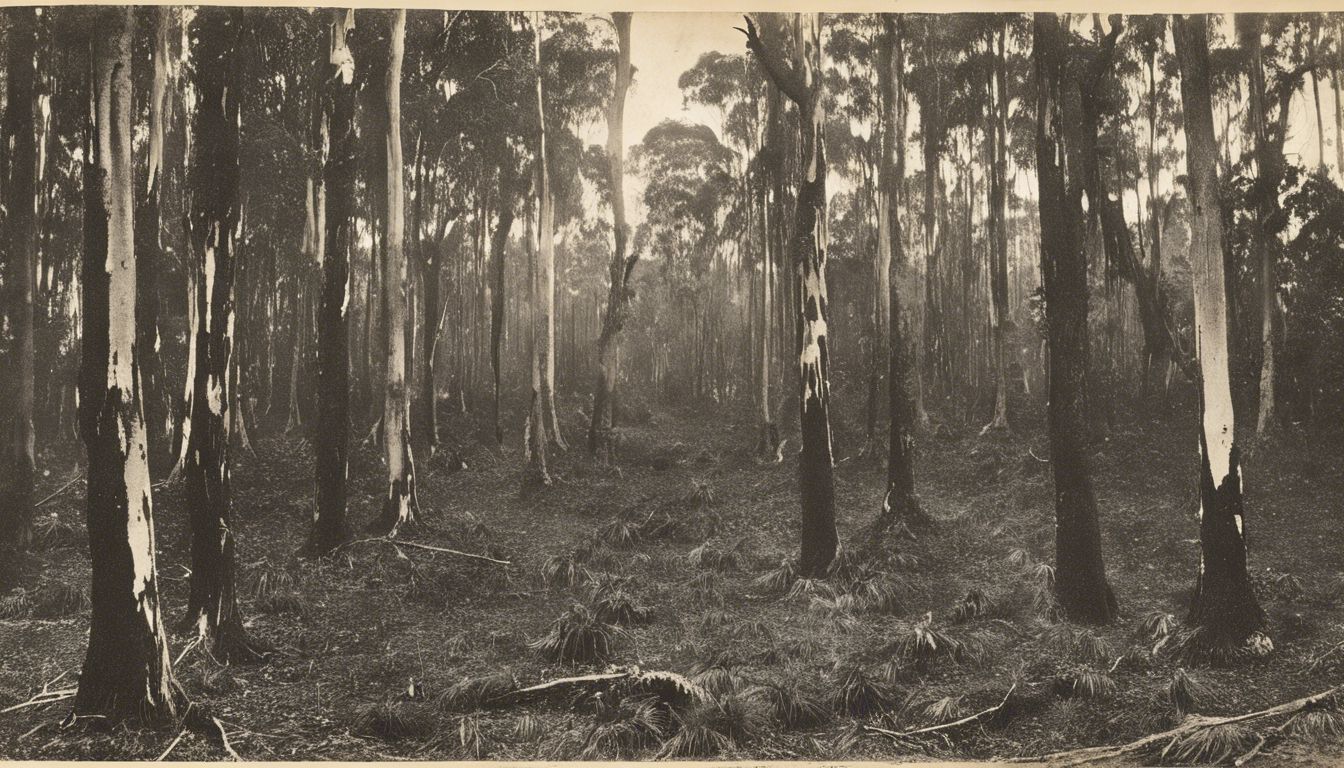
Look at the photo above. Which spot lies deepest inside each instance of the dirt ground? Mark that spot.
(370, 643)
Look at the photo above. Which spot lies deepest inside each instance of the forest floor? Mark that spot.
(372, 645)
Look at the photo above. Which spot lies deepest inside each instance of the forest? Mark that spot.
(446, 384)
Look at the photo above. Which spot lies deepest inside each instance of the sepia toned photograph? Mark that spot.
(449, 384)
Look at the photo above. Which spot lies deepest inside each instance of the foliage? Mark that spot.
(858, 694)
(578, 635)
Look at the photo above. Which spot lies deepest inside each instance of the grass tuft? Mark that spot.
(709, 557)
(56, 600)
(1186, 693)
(50, 532)
(713, 726)
(791, 705)
(578, 635)
(944, 710)
(395, 721)
(1318, 725)
(1216, 744)
(1093, 648)
(1086, 683)
(859, 695)
(922, 643)
(974, 605)
(15, 605)
(778, 580)
(617, 731)
(529, 728)
(474, 693)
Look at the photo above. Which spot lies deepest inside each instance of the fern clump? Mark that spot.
(1093, 648)
(944, 710)
(974, 605)
(1318, 724)
(709, 557)
(529, 728)
(922, 643)
(621, 533)
(578, 635)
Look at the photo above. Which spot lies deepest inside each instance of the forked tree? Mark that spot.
(213, 613)
(801, 83)
(622, 265)
(18, 460)
(1225, 609)
(339, 145)
(1080, 576)
(127, 673)
(400, 506)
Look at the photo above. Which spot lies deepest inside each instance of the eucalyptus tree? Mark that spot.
(127, 673)
(1080, 577)
(213, 613)
(18, 470)
(801, 82)
(338, 147)
(622, 263)
(1225, 609)
(400, 505)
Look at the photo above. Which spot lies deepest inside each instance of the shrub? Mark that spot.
(714, 725)
(577, 635)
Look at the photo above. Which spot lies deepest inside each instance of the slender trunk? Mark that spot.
(339, 135)
(400, 506)
(127, 673)
(1224, 609)
(212, 611)
(498, 244)
(998, 216)
(18, 470)
(801, 83)
(900, 502)
(534, 430)
(1080, 576)
(546, 232)
(618, 297)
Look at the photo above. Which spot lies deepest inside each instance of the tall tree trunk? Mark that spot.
(546, 232)
(618, 297)
(400, 506)
(127, 673)
(1080, 576)
(534, 431)
(1269, 172)
(212, 611)
(1224, 609)
(18, 470)
(998, 196)
(900, 502)
(801, 83)
(499, 242)
(339, 135)
(149, 253)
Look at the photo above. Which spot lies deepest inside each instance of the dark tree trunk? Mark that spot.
(18, 470)
(801, 83)
(212, 611)
(1080, 576)
(998, 200)
(618, 297)
(331, 441)
(1225, 609)
(127, 673)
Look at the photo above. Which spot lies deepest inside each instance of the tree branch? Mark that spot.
(785, 78)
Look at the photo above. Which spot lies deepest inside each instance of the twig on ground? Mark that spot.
(431, 548)
(46, 697)
(171, 746)
(1190, 725)
(60, 490)
(902, 735)
(224, 740)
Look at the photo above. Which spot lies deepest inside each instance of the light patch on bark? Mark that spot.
(209, 280)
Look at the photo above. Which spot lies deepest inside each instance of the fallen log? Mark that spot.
(429, 547)
(671, 683)
(1187, 727)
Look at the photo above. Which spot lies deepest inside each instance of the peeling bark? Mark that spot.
(127, 673)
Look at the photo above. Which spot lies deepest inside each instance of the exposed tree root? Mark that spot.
(1189, 726)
